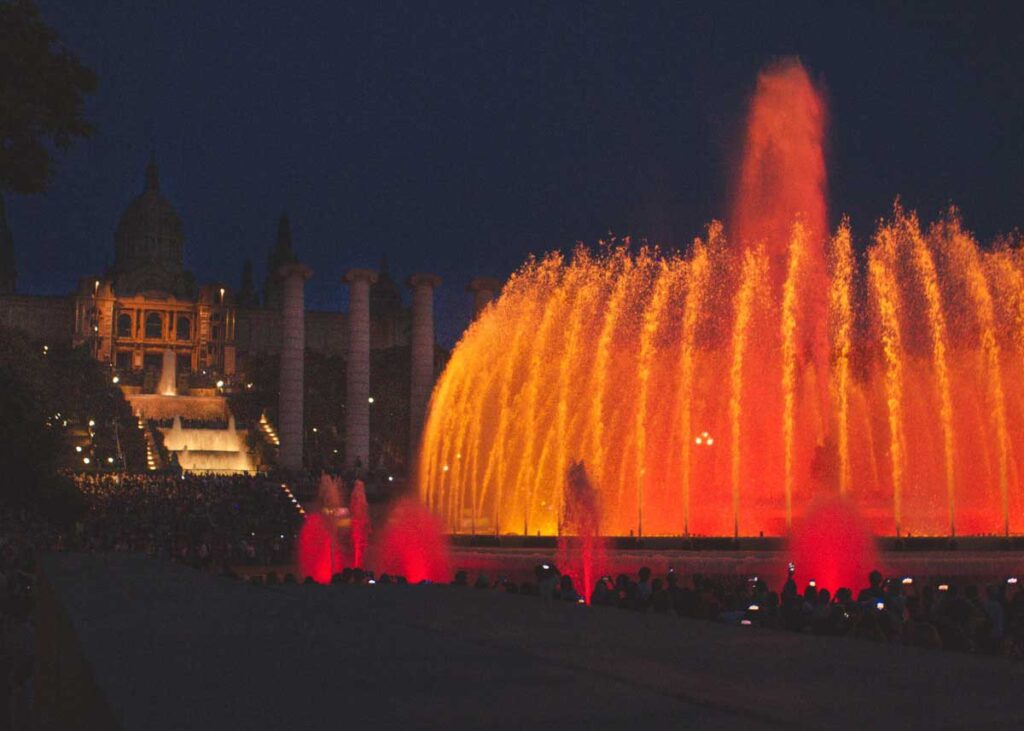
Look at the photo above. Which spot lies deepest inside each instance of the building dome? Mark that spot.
(148, 244)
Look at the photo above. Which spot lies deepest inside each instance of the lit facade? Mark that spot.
(148, 303)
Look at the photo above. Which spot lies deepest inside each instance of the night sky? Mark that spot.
(458, 138)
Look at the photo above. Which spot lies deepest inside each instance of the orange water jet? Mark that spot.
(724, 392)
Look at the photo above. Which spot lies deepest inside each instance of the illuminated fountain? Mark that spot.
(412, 544)
(361, 527)
(319, 549)
(168, 385)
(724, 392)
(581, 550)
(223, 451)
(206, 449)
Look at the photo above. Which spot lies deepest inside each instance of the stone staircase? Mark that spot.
(267, 430)
(153, 461)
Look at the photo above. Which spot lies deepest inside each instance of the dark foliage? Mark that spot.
(47, 398)
(42, 89)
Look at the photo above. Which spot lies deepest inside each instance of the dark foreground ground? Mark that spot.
(129, 642)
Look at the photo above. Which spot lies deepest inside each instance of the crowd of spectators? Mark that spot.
(968, 618)
(206, 521)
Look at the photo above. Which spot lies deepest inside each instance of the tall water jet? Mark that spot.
(782, 176)
(924, 264)
(790, 303)
(652, 320)
(530, 427)
(962, 249)
(840, 296)
(885, 290)
(782, 181)
(723, 392)
(582, 305)
(581, 550)
(751, 280)
(600, 373)
(697, 276)
(168, 385)
(359, 513)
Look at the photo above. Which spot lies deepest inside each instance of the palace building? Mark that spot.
(178, 346)
(148, 303)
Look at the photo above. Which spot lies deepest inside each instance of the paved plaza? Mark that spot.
(166, 647)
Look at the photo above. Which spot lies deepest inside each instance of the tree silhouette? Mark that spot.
(42, 89)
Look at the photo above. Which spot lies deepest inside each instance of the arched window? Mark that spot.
(124, 325)
(184, 328)
(154, 325)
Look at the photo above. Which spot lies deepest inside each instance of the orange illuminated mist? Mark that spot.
(726, 391)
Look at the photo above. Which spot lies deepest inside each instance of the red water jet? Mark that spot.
(581, 550)
(783, 179)
(360, 516)
(782, 176)
(833, 545)
(319, 552)
(413, 544)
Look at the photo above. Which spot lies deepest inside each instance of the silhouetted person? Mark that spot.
(874, 589)
(643, 587)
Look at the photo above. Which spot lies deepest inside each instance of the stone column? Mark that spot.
(293, 356)
(357, 367)
(483, 289)
(421, 345)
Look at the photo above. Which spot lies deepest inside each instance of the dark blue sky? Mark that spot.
(459, 137)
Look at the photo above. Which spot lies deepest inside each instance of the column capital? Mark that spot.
(423, 279)
(360, 275)
(483, 284)
(295, 269)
